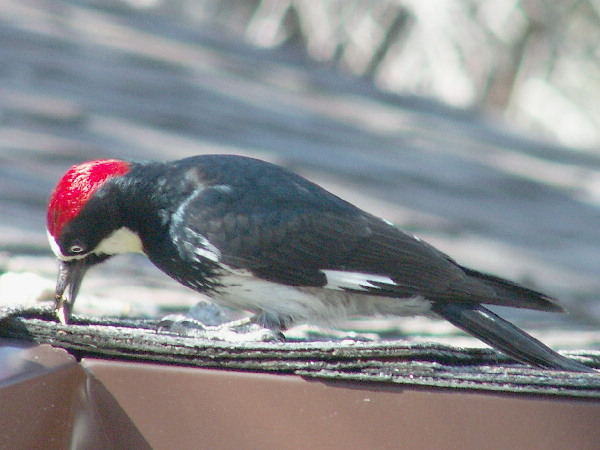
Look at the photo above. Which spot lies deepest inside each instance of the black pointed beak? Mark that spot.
(70, 276)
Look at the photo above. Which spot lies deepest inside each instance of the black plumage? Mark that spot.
(204, 218)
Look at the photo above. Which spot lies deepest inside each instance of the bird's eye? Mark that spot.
(76, 249)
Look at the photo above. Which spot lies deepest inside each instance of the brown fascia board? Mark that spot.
(49, 400)
(109, 383)
(189, 408)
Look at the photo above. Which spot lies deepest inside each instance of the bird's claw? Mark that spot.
(244, 330)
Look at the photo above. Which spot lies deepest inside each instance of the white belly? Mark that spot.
(309, 304)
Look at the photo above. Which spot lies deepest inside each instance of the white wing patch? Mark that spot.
(207, 250)
(340, 279)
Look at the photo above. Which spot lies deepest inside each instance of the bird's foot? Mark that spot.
(243, 330)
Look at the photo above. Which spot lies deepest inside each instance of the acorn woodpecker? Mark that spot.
(254, 236)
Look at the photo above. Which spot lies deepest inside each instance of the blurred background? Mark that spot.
(474, 125)
(533, 63)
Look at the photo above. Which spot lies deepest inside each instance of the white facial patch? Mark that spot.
(120, 241)
(340, 279)
(56, 250)
(54, 246)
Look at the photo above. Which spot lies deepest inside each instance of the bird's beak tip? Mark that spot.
(70, 275)
(61, 310)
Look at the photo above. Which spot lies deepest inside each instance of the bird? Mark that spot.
(255, 236)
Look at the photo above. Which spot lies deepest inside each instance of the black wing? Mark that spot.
(286, 229)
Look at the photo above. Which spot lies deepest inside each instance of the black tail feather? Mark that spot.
(505, 337)
(515, 295)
